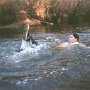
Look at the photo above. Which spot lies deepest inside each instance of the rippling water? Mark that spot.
(43, 67)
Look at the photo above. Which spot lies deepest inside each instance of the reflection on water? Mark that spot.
(43, 67)
(53, 29)
(63, 28)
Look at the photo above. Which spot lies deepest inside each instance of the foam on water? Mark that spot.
(29, 50)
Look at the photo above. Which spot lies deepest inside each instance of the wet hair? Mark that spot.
(76, 36)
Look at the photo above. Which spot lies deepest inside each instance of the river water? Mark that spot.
(43, 67)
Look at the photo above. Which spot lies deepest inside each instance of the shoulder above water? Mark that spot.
(68, 45)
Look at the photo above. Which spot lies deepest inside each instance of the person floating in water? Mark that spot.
(72, 41)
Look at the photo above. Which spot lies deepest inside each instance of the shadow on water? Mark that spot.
(43, 67)
(9, 33)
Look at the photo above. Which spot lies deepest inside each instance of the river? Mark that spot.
(43, 67)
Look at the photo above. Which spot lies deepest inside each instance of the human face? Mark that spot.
(72, 39)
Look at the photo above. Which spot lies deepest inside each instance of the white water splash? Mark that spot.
(29, 50)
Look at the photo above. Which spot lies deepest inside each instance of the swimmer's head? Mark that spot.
(73, 38)
(76, 36)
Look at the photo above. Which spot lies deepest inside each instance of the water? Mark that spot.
(43, 67)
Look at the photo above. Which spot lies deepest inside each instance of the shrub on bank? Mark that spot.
(56, 11)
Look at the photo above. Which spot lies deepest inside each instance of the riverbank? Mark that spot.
(56, 11)
(31, 22)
